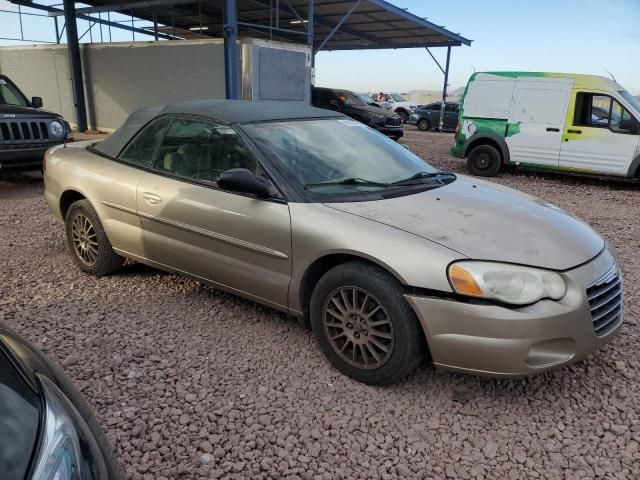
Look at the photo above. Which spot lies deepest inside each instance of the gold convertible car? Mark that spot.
(305, 210)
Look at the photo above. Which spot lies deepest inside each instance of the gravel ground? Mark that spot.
(190, 383)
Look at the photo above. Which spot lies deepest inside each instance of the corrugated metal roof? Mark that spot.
(373, 24)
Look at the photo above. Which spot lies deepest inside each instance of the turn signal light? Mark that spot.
(463, 282)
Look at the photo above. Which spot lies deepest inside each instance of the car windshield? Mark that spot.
(346, 155)
(635, 103)
(348, 98)
(10, 95)
(397, 97)
(365, 99)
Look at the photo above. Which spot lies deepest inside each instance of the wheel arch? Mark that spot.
(321, 265)
(488, 138)
(401, 109)
(634, 168)
(68, 198)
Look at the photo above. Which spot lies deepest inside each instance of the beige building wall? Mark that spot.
(119, 77)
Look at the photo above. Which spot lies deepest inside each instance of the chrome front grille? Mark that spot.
(605, 297)
(393, 122)
(23, 131)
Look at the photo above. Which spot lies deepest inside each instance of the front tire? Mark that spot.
(423, 124)
(87, 241)
(403, 115)
(364, 325)
(484, 161)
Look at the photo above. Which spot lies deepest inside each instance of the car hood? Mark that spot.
(23, 112)
(485, 221)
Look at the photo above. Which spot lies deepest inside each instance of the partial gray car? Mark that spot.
(316, 215)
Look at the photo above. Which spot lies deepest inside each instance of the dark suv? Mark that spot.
(347, 102)
(26, 132)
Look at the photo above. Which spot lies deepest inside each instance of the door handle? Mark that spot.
(151, 198)
(551, 129)
(574, 131)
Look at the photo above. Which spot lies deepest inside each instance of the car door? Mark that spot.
(235, 241)
(536, 119)
(598, 136)
(434, 114)
(450, 116)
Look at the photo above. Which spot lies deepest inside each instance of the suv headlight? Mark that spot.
(68, 450)
(513, 284)
(57, 129)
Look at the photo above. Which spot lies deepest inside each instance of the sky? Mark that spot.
(576, 36)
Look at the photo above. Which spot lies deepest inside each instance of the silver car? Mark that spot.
(305, 210)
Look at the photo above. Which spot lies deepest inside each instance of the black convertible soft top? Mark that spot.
(224, 111)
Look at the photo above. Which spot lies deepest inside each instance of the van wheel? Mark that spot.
(364, 325)
(484, 161)
(423, 124)
(87, 241)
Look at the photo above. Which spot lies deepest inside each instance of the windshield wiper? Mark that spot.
(348, 181)
(419, 176)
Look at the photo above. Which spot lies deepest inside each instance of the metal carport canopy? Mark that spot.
(363, 24)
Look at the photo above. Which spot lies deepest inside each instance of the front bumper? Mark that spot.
(413, 119)
(499, 341)
(393, 132)
(23, 157)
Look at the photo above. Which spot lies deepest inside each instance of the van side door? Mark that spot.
(601, 135)
(536, 119)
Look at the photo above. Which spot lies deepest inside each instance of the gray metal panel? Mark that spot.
(282, 74)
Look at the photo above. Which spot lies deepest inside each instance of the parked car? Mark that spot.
(554, 121)
(26, 131)
(311, 213)
(397, 102)
(48, 431)
(352, 105)
(427, 117)
(366, 98)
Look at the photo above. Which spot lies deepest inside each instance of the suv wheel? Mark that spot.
(403, 115)
(87, 241)
(484, 161)
(364, 325)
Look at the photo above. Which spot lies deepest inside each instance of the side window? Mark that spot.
(451, 107)
(141, 150)
(435, 107)
(602, 111)
(621, 120)
(201, 150)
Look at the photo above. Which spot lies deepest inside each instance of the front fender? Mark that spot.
(319, 231)
(494, 137)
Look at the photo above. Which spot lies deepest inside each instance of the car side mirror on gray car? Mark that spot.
(36, 102)
(241, 180)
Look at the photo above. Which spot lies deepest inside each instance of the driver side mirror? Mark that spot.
(241, 180)
(36, 102)
(630, 125)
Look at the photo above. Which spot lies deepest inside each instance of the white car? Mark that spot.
(397, 103)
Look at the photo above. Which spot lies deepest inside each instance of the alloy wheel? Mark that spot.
(85, 240)
(358, 327)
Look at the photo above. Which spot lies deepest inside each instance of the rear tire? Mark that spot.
(88, 242)
(484, 161)
(424, 125)
(364, 325)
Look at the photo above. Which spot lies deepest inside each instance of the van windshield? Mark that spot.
(10, 95)
(635, 103)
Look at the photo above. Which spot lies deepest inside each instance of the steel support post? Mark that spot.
(444, 88)
(73, 47)
(230, 31)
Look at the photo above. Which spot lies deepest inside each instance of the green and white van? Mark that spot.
(558, 121)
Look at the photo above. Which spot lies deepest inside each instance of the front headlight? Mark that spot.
(513, 284)
(60, 448)
(56, 127)
(69, 449)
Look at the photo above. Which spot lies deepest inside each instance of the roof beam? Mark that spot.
(338, 25)
(128, 6)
